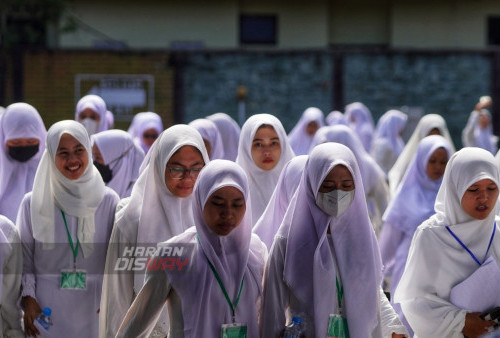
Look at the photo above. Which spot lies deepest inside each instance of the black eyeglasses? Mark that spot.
(179, 173)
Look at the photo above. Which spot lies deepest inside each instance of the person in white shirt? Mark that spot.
(65, 224)
(324, 265)
(221, 283)
(451, 275)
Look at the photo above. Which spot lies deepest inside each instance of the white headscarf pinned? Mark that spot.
(209, 132)
(97, 104)
(20, 120)
(124, 157)
(414, 200)
(356, 249)
(424, 126)
(335, 117)
(371, 173)
(262, 182)
(234, 256)
(142, 122)
(300, 141)
(161, 214)
(229, 131)
(267, 225)
(433, 243)
(360, 120)
(79, 198)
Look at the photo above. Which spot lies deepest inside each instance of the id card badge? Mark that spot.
(73, 279)
(235, 330)
(337, 327)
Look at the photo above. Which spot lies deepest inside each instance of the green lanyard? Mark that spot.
(74, 249)
(217, 277)
(340, 293)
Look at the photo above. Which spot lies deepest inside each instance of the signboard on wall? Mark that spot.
(124, 94)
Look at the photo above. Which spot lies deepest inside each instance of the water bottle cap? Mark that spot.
(297, 320)
(47, 311)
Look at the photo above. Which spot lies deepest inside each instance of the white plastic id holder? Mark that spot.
(73, 279)
(234, 330)
(337, 327)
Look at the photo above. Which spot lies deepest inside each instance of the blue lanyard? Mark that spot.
(467, 249)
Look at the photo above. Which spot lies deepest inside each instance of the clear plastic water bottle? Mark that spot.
(295, 329)
(44, 318)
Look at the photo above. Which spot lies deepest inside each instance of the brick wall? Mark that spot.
(49, 76)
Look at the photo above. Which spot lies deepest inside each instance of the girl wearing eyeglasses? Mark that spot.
(159, 208)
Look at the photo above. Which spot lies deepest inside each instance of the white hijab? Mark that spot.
(371, 173)
(235, 256)
(300, 141)
(262, 182)
(209, 132)
(356, 250)
(267, 225)
(159, 213)
(142, 122)
(123, 157)
(230, 133)
(389, 127)
(424, 126)
(335, 117)
(20, 120)
(97, 104)
(360, 120)
(414, 200)
(79, 198)
(434, 251)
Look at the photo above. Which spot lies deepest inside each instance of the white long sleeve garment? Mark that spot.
(233, 262)
(74, 312)
(12, 268)
(279, 299)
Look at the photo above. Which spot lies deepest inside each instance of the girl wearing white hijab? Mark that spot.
(65, 224)
(11, 269)
(302, 134)
(229, 131)
(159, 209)
(428, 125)
(455, 246)
(118, 159)
(412, 204)
(388, 143)
(211, 137)
(22, 136)
(360, 120)
(479, 130)
(263, 151)
(145, 128)
(92, 113)
(268, 224)
(374, 183)
(324, 265)
(221, 284)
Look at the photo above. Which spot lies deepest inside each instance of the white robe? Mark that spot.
(436, 261)
(20, 120)
(152, 215)
(197, 306)
(74, 312)
(12, 267)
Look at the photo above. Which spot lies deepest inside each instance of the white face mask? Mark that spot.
(91, 125)
(335, 202)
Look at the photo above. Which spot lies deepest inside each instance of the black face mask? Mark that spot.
(23, 153)
(105, 171)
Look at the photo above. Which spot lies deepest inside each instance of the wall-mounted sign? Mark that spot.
(124, 94)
